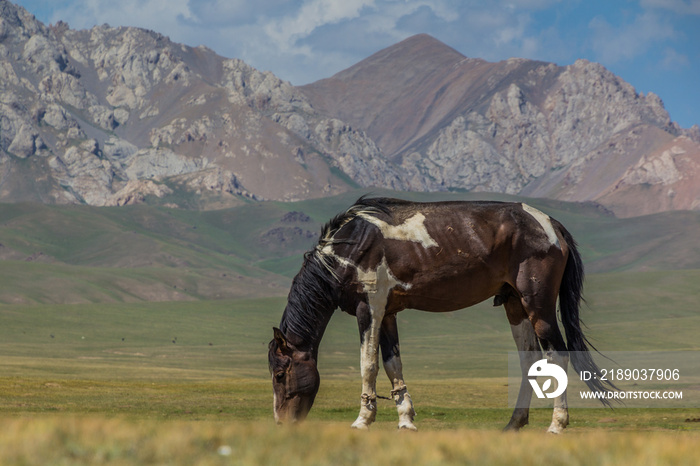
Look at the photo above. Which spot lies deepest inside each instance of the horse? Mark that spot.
(382, 256)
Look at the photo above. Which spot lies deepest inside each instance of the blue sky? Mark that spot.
(652, 44)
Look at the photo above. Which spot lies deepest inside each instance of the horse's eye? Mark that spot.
(279, 376)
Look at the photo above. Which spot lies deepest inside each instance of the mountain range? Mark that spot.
(117, 116)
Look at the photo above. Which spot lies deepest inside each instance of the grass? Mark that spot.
(205, 341)
(76, 421)
(230, 336)
(143, 383)
(90, 440)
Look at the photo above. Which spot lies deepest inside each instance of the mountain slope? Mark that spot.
(519, 126)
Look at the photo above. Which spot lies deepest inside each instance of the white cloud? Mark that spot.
(613, 44)
(681, 7)
(163, 16)
(512, 33)
(231, 13)
(312, 15)
(673, 60)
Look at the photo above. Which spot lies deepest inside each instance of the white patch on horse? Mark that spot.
(413, 229)
(546, 223)
(274, 404)
(328, 251)
(371, 280)
(560, 416)
(378, 284)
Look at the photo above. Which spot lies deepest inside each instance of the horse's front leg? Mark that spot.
(391, 356)
(369, 321)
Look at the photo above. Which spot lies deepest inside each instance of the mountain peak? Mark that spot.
(517, 126)
(382, 92)
(424, 44)
(15, 18)
(413, 56)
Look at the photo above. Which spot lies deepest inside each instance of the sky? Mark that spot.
(652, 44)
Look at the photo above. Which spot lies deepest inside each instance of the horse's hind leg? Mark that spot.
(529, 352)
(560, 416)
(539, 299)
(391, 356)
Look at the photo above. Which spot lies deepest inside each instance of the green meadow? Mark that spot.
(139, 336)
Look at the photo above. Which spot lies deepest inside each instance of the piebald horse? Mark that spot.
(382, 256)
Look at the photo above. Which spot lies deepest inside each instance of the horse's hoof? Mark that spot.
(360, 425)
(555, 430)
(407, 427)
(514, 426)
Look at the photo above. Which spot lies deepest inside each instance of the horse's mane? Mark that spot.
(312, 299)
(314, 293)
(363, 205)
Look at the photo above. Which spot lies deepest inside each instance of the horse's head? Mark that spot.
(295, 379)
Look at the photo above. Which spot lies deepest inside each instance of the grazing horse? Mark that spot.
(382, 256)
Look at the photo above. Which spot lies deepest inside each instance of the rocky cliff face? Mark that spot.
(115, 116)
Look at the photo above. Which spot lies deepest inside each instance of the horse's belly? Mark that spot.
(445, 294)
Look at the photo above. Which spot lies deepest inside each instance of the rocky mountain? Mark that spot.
(115, 116)
(576, 133)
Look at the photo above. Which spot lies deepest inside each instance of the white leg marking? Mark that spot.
(377, 284)
(413, 229)
(404, 404)
(544, 220)
(369, 366)
(560, 416)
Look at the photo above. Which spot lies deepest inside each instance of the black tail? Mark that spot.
(570, 297)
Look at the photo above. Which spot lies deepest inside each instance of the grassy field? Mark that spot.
(182, 382)
(139, 336)
(88, 440)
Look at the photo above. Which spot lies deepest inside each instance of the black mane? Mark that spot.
(312, 300)
(363, 204)
(314, 294)
(381, 204)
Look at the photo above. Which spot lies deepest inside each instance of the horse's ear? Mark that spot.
(280, 339)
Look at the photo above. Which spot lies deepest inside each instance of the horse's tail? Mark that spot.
(570, 297)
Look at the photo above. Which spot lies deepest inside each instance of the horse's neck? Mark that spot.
(303, 337)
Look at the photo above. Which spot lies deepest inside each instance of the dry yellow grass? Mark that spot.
(99, 440)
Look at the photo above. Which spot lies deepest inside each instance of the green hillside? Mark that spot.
(72, 254)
